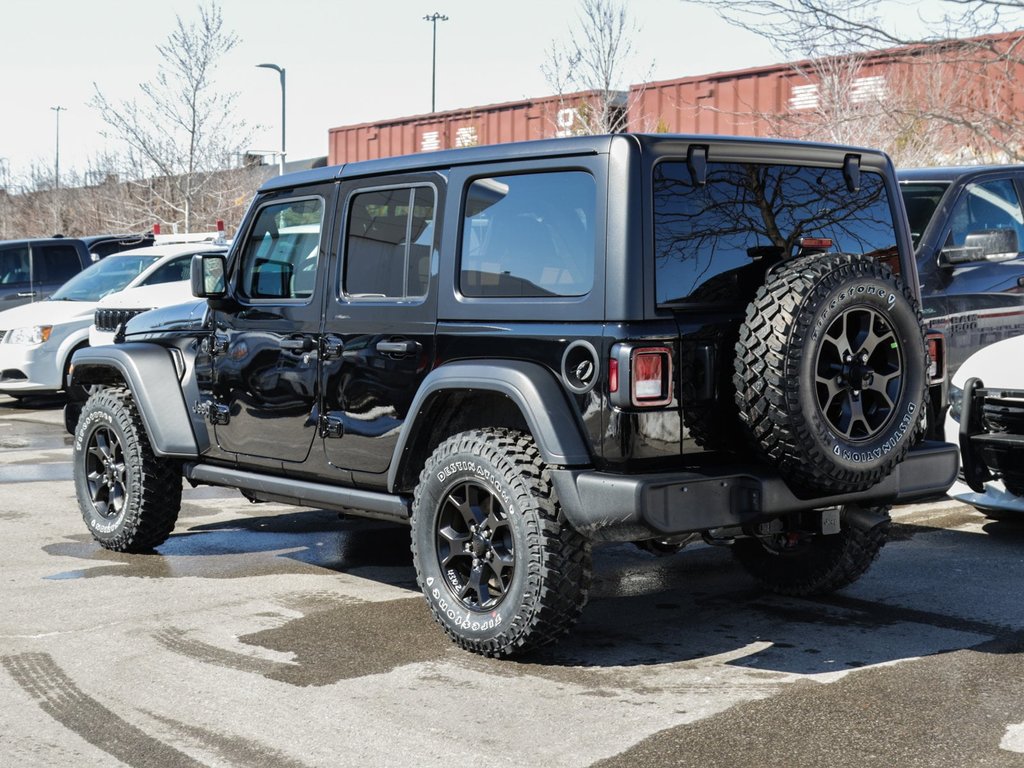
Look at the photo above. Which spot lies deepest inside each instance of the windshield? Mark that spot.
(921, 200)
(103, 277)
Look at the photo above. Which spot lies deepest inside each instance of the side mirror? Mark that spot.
(207, 275)
(984, 245)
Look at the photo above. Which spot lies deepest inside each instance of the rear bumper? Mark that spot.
(613, 507)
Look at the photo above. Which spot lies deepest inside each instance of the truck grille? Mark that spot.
(2, 334)
(1003, 412)
(109, 319)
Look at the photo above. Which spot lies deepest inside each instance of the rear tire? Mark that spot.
(129, 497)
(812, 564)
(501, 570)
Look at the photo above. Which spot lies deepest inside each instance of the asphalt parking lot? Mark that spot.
(261, 635)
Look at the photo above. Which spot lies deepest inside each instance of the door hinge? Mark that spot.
(213, 412)
(331, 347)
(331, 426)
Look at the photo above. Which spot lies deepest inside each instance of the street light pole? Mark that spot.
(56, 160)
(280, 71)
(433, 19)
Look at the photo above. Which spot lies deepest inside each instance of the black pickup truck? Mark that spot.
(967, 226)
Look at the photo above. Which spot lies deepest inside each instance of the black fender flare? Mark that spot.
(150, 374)
(533, 389)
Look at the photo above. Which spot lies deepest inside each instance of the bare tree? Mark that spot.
(594, 60)
(946, 94)
(182, 128)
(816, 28)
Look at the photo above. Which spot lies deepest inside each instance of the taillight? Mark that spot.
(640, 376)
(936, 343)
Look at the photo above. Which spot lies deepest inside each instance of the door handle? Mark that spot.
(406, 347)
(28, 295)
(302, 344)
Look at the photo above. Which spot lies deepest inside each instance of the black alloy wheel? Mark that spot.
(475, 547)
(106, 473)
(859, 373)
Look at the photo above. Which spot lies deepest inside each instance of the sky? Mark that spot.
(347, 62)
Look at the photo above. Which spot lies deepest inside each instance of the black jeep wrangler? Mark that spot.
(527, 348)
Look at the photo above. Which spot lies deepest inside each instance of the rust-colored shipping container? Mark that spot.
(782, 99)
(726, 103)
(549, 117)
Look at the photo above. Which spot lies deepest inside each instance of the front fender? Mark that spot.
(149, 372)
(533, 389)
(68, 346)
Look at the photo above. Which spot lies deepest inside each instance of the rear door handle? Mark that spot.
(302, 344)
(406, 347)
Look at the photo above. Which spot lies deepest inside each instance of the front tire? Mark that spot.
(129, 497)
(804, 564)
(501, 570)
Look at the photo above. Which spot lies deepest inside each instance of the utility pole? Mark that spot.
(433, 19)
(56, 161)
(56, 175)
(280, 71)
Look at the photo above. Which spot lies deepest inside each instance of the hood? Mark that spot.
(997, 365)
(177, 317)
(46, 313)
(148, 296)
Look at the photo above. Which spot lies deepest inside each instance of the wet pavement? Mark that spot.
(264, 635)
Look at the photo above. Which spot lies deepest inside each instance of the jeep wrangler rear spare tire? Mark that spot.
(831, 371)
(129, 497)
(500, 569)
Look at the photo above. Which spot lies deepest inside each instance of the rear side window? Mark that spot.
(56, 263)
(388, 243)
(713, 242)
(921, 200)
(14, 266)
(529, 235)
(282, 250)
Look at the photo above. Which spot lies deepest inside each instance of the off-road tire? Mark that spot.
(129, 497)
(816, 565)
(826, 418)
(494, 481)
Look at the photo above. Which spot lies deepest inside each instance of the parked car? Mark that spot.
(522, 349)
(115, 309)
(967, 226)
(30, 270)
(986, 417)
(38, 339)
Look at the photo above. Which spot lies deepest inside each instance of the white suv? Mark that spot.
(37, 340)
